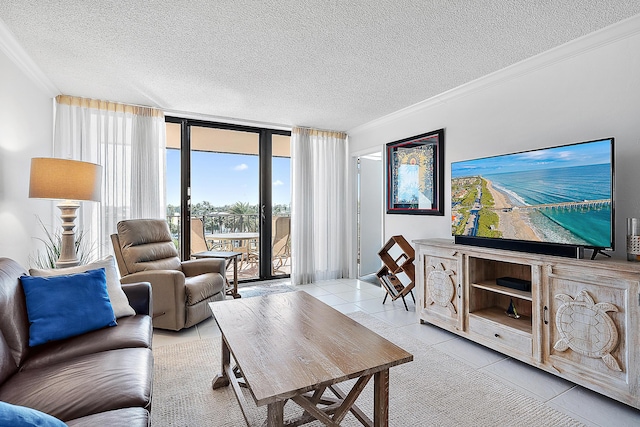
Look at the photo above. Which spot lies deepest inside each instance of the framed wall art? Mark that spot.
(415, 175)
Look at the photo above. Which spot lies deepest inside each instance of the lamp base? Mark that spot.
(68, 256)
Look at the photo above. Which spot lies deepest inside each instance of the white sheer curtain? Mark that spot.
(320, 214)
(129, 142)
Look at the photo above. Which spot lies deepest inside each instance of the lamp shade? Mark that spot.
(65, 179)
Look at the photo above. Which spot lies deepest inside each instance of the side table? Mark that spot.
(229, 257)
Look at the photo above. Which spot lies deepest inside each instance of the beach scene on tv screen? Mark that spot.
(556, 195)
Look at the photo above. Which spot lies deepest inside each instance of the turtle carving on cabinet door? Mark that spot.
(440, 287)
(586, 328)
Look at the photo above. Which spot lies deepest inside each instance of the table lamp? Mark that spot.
(69, 180)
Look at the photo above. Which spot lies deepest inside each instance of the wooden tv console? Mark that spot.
(580, 321)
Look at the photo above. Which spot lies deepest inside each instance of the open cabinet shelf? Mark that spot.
(575, 318)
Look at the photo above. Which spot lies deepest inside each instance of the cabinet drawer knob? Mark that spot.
(496, 335)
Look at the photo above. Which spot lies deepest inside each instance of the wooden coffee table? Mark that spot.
(293, 346)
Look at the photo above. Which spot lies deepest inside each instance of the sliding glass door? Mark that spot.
(228, 190)
(281, 204)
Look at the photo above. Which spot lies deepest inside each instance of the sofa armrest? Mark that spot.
(195, 267)
(140, 297)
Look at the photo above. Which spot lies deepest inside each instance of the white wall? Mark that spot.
(26, 129)
(584, 90)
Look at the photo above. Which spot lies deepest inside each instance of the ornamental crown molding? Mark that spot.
(16, 54)
(605, 36)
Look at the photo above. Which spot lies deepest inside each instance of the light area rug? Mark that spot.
(260, 289)
(435, 389)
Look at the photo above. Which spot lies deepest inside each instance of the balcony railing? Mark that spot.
(230, 223)
(236, 223)
(220, 223)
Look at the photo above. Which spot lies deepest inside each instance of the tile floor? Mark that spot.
(349, 295)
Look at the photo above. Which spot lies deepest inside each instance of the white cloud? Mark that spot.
(241, 167)
(277, 182)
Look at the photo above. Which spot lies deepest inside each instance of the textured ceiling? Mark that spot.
(326, 64)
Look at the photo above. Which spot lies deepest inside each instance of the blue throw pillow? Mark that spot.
(60, 307)
(21, 416)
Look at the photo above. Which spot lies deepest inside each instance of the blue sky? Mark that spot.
(592, 153)
(223, 179)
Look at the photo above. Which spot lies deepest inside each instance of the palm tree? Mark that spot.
(241, 209)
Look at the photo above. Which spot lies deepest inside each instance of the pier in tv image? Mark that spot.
(559, 195)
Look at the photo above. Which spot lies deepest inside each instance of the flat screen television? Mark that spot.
(555, 200)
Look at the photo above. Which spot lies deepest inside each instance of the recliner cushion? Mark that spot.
(65, 306)
(149, 257)
(146, 244)
(198, 288)
(135, 232)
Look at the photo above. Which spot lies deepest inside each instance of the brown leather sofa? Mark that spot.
(100, 378)
(145, 252)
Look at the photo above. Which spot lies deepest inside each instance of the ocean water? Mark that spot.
(582, 226)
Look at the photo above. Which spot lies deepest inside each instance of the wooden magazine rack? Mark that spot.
(398, 273)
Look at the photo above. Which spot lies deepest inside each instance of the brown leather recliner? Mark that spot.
(145, 252)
